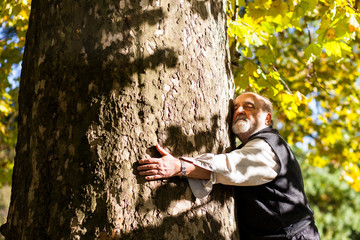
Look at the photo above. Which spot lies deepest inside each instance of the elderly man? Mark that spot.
(271, 202)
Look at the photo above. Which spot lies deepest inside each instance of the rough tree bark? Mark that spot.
(102, 83)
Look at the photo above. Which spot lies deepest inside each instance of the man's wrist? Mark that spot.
(183, 169)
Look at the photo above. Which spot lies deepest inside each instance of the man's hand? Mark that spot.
(156, 168)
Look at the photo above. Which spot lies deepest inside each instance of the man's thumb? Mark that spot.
(161, 150)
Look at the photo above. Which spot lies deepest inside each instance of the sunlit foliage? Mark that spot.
(304, 55)
(14, 15)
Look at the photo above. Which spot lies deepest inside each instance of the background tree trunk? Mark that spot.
(102, 83)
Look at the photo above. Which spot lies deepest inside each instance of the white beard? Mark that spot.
(241, 126)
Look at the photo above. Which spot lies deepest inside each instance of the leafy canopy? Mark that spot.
(14, 15)
(304, 55)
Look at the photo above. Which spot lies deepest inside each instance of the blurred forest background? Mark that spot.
(303, 54)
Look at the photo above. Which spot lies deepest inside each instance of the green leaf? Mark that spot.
(268, 27)
(242, 3)
(265, 56)
(311, 52)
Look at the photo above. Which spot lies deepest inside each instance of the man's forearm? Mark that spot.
(193, 171)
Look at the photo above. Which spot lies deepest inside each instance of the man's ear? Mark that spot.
(268, 119)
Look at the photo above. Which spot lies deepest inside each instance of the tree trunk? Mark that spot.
(102, 83)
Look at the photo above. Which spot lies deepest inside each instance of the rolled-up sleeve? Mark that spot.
(254, 164)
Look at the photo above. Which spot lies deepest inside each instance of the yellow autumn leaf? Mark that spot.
(333, 48)
(4, 107)
(342, 3)
(288, 104)
(346, 49)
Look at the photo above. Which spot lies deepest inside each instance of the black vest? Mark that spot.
(277, 207)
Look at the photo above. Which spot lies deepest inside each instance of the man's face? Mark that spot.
(248, 115)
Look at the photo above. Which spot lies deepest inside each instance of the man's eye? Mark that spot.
(249, 106)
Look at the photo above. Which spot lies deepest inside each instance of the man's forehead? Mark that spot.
(246, 97)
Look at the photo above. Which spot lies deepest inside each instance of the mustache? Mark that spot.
(241, 117)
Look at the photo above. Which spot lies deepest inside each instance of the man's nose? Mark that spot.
(240, 110)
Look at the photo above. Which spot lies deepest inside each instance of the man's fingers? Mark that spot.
(153, 177)
(148, 160)
(152, 174)
(149, 172)
(161, 150)
(147, 167)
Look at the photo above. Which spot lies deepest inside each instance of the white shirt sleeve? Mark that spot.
(254, 164)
